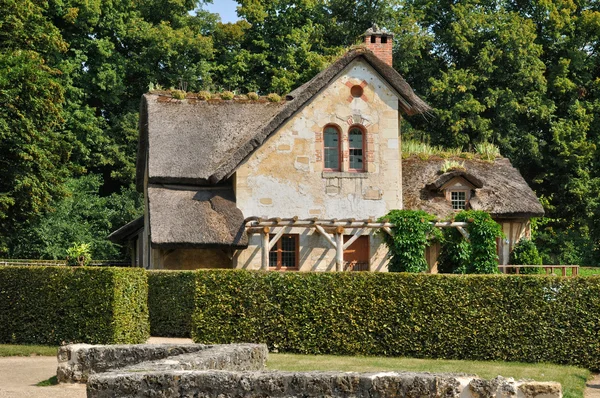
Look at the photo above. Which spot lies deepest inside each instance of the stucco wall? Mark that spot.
(285, 178)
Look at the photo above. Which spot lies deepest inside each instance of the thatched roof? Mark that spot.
(203, 142)
(201, 218)
(500, 188)
(127, 231)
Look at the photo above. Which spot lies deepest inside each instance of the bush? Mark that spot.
(253, 96)
(478, 317)
(273, 97)
(413, 232)
(178, 94)
(171, 302)
(204, 95)
(526, 253)
(227, 95)
(79, 254)
(51, 305)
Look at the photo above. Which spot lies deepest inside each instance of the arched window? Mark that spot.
(357, 148)
(331, 143)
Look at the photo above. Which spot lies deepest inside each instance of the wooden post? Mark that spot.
(265, 249)
(339, 249)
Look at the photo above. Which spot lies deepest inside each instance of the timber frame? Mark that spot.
(331, 229)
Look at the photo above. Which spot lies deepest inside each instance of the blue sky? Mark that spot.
(225, 8)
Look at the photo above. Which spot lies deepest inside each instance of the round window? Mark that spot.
(356, 91)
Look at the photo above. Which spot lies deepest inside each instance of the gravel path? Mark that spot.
(593, 387)
(19, 376)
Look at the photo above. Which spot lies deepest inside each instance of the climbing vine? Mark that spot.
(455, 253)
(483, 232)
(413, 231)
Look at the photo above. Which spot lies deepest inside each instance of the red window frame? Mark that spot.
(277, 248)
(364, 149)
(339, 148)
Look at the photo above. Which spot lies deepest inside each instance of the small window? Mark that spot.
(459, 200)
(331, 139)
(284, 254)
(356, 144)
(383, 39)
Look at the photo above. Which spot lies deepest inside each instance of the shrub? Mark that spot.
(204, 95)
(51, 305)
(413, 231)
(178, 94)
(478, 317)
(171, 303)
(253, 96)
(79, 254)
(526, 253)
(483, 231)
(227, 95)
(273, 97)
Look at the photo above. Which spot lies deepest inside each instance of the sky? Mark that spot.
(225, 8)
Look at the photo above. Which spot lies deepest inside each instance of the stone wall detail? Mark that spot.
(238, 370)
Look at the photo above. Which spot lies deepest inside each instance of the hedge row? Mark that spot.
(51, 305)
(509, 318)
(171, 302)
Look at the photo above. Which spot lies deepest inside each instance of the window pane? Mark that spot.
(283, 253)
(459, 200)
(355, 138)
(332, 160)
(331, 155)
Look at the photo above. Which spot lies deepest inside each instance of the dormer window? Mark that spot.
(458, 199)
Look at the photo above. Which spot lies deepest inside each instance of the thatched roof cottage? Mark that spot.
(290, 185)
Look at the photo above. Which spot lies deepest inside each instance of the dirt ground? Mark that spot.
(593, 387)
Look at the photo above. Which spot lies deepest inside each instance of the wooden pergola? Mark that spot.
(333, 230)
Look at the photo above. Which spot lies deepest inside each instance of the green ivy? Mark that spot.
(483, 232)
(413, 231)
(455, 253)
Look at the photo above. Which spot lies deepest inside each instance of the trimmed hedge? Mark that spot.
(52, 305)
(480, 317)
(171, 302)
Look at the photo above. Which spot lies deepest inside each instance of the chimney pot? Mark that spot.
(380, 42)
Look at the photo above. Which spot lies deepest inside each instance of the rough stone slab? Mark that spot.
(77, 361)
(226, 384)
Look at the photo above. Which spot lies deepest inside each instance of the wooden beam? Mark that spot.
(463, 232)
(265, 249)
(325, 235)
(273, 241)
(339, 252)
(389, 231)
(354, 238)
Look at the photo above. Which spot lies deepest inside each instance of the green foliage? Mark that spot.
(273, 97)
(532, 319)
(487, 151)
(171, 302)
(204, 95)
(52, 305)
(525, 253)
(79, 254)
(413, 231)
(253, 96)
(81, 216)
(455, 254)
(227, 95)
(483, 232)
(450, 165)
(178, 94)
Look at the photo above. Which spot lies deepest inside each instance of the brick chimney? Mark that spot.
(380, 42)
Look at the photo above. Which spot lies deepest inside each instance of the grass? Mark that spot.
(9, 350)
(483, 151)
(47, 383)
(571, 378)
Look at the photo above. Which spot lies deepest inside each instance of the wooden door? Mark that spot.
(356, 256)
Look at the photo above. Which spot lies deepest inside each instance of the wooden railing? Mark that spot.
(548, 268)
